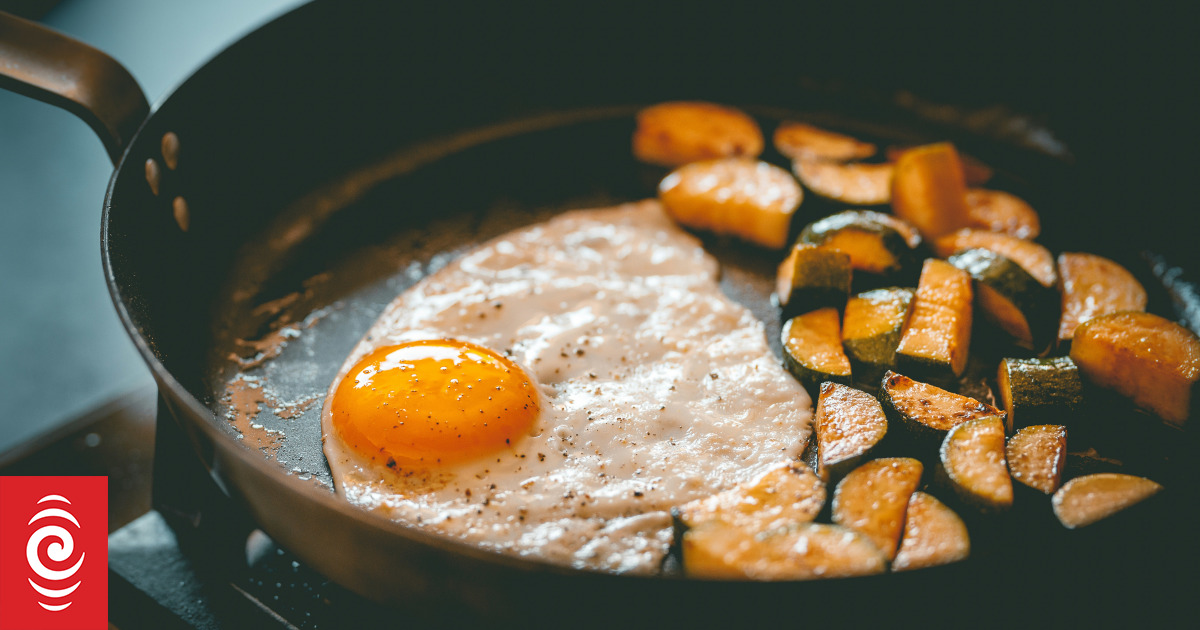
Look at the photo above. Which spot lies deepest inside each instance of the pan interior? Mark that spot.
(302, 293)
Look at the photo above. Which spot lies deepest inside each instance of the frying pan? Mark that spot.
(304, 176)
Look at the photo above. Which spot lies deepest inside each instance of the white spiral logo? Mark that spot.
(59, 551)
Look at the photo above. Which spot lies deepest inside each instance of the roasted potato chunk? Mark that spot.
(998, 211)
(1149, 359)
(800, 552)
(933, 535)
(1085, 500)
(1032, 257)
(780, 497)
(855, 184)
(1092, 286)
(798, 140)
(874, 497)
(929, 190)
(676, 133)
(745, 198)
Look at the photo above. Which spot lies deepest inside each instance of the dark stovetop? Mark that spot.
(158, 578)
(171, 563)
(196, 561)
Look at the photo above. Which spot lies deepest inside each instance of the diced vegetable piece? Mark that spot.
(676, 133)
(854, 183)
(872, 239)
(933, 535)
(975, 172)
(812, 348)
(1032, 257)
(973, 458)
(998, 211)
(872, 327)
(868, 250)
(800, 552)
(928, 410)
(796, 140)
(1150, 360)
(1085, 500)
(873, 498)
(1039, 391)
(782, 496)
(848, 425)
(811, 277)
(928, 189)
(748, 199)
(1009, 297)
(937, 336)
(1092, 286)
(1037, 456)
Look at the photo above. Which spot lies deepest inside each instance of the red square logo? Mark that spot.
(53, 553)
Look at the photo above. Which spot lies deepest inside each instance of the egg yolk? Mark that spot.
(431, 402)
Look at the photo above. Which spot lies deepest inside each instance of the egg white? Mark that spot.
(656, 389)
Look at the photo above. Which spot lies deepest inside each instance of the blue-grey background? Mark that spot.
(62, 350)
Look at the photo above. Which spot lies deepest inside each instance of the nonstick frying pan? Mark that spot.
(264, 213)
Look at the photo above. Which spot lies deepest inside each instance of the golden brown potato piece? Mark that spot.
(798, 140)
(746, 198)
(782, 496)
(975, 172)
(1092, 286)
(800, 552)
(1034, 258)
(933, 535)
(854, 184)
(937, 335)
(873, 498)
(1150, 360)
(999, 211)
(1085, 500)
(929, 190)
(676, 133)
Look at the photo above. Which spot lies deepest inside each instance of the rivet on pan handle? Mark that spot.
(51, 67)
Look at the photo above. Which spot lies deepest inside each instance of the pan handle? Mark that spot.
(51, 67)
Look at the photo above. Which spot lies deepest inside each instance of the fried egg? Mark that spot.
(556, 391)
